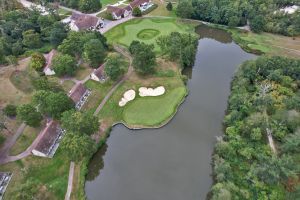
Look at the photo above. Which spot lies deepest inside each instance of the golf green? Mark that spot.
(146, 30)
(154, 111)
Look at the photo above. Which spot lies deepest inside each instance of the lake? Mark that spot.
(173, 162)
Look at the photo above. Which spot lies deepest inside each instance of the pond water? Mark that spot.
(173, 162)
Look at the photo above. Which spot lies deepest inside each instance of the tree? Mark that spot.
(94, 52)
(89, 5)
(29, 115)
(80, 123)
(64, 64)
(133, 46)
(37, 61)
(233, 21)
(144, 59)
(114, 67)
(136, 12)
(73, 44)
(57, 34)
(169, 6)
(257, 24)
(185, 9)
(42, 83)
(31, 39)
(10, 110)
(77, 146)
(51, 103)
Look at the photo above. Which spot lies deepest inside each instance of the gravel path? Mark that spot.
(70, 181)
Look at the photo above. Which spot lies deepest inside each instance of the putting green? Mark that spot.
(154, 111)
(148, 34)
(145, 30)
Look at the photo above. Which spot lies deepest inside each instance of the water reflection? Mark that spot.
(213, 33)
(96, 164)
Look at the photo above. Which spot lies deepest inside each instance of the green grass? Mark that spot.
(125, 33)
(106, 2)
(152, 111)
(147, 34)
(64, 12)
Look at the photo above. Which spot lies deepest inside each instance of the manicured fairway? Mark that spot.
(145, 30)
(153, 111)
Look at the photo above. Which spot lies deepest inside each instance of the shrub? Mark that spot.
(169, 6)
(136, 12)
(10, 110)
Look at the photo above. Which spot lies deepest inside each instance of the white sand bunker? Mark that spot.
(127, 96)
(144, 92)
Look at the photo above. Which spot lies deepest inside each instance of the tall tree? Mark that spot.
(37, 61)
(80, 123)
(94, 52)
(77, 146)
(114, 66)
(29, 115)
(89, 5)
(31, 39)
(64, 64)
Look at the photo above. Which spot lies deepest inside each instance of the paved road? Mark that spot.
(112, 24)
(70, 181)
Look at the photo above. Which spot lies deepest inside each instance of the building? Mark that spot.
(79, 94)
(118, 13)
(5, 177)
(51, 135)
(80, 22)
(99, 74)
(141, 4)
(48, 68)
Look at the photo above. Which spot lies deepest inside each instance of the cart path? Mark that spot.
(117, 84)
(70, 181)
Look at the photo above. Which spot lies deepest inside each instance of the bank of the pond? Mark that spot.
(174, 161)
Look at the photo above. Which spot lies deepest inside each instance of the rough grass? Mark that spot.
(50, 176)
(82, 72)
(25, 140)
(161, 10)
(22, 81)
(125, 33)
(267, 43)
(152, 111)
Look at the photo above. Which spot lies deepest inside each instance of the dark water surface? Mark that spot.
(173, 162)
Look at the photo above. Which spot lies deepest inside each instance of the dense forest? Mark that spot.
(25, 31)
(264, 106)
(262, 15)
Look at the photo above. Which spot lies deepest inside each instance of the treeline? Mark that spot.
(262, 15)
(264, 101)
(28, 30)
(87, 6)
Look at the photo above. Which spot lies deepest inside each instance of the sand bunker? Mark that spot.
(127, 96)
(144, 92)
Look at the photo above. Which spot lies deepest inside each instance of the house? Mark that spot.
(51, 135)
(141, 4)
(5, 177)
(118, 13)
(79, 94)
(99, 74)
(48, 68)
(80, 22)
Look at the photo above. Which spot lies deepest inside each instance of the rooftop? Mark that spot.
(77, 92)
(100, 71)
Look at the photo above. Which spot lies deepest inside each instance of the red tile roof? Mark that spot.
(137, 3)
(77, 92)
(100, 71)
(50, 134)
(118, 11)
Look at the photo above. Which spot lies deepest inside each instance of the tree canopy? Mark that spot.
(114, 66)
(29, 114)
(37, 61)
(94, 52)
(64, 64)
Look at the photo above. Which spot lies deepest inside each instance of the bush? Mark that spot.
(37, 61)
(10, 110)
(169, 6)
(136, 12)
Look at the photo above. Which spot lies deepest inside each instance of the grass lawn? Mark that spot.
(125, 33)
(149, 111)
(64, 12)
(168, 75)
(82, 72)
(161, 10)
(99, 91)
(106, 2)
(25, 140)
(47, 178)
(22, 81)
